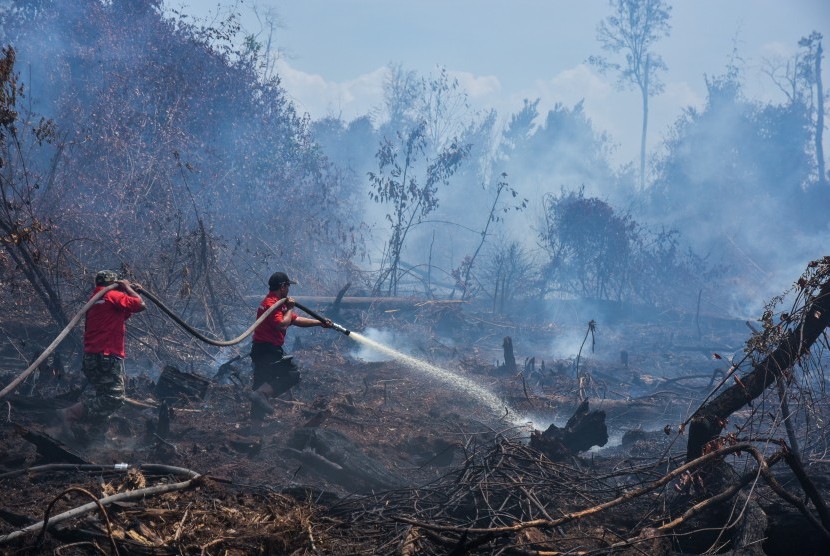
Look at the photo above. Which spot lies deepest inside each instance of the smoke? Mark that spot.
(567, 344)
(367, 353)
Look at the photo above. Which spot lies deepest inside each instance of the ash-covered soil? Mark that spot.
(379, 457)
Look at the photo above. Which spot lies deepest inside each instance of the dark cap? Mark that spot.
(105, 277)
(277, 279)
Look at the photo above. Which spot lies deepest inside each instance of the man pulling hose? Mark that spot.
(104, 352)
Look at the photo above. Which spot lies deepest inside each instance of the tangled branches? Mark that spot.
(510, 497)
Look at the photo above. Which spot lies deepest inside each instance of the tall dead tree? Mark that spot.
(709, 420)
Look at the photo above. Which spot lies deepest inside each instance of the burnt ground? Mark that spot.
(381, 458)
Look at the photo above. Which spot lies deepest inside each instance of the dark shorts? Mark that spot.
(272, 367)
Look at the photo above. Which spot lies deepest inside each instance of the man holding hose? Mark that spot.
(103, 362)
(274, 374)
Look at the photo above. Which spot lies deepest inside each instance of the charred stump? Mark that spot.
(177, 387)
(509, 357)
(335, 307)
(583, 430)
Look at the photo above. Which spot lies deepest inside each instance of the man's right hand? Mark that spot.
(123, 284)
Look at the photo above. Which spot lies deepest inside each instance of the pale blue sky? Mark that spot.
(333, 52)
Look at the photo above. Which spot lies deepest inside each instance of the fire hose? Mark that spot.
(245, 334)
(178, 320)
(221, 343)
(334, 325)
(64, 333)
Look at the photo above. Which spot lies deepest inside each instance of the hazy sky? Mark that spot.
(333, 52)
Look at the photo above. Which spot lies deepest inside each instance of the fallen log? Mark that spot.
(377, 302)
(707, 423)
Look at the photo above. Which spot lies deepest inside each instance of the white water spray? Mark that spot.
(459, 382)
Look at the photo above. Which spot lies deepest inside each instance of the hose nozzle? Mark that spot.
(342, 329)
(334, 325)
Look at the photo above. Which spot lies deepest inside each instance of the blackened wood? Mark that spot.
(583, 430)
(708, 421)
(335, 456)
(509, 357)
(335, 307)
(177, 387)
(165, 415)
(50, 450)
(17, 520)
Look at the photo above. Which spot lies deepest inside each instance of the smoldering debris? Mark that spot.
(370, 457)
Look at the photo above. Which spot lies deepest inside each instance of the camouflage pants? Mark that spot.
(106, 374)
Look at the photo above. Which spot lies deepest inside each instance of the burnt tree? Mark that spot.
(709, 420)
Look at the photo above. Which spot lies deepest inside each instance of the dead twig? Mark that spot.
(97, 503)
(122, 496)
(580, 514)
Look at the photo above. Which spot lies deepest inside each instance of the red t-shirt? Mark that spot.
(269, 331)
(106, 322)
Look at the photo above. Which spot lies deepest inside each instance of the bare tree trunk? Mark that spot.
(429, 266)
(214, 307)
(708, 421)
(819, 118)
(335, 307)
(697, 314)
(496, 292)
(644, 91)
(786, 416)
(503, 294)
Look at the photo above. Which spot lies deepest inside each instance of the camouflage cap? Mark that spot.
(105, 277)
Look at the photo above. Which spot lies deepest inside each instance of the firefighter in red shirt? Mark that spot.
(274, 373)
(103, 362)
